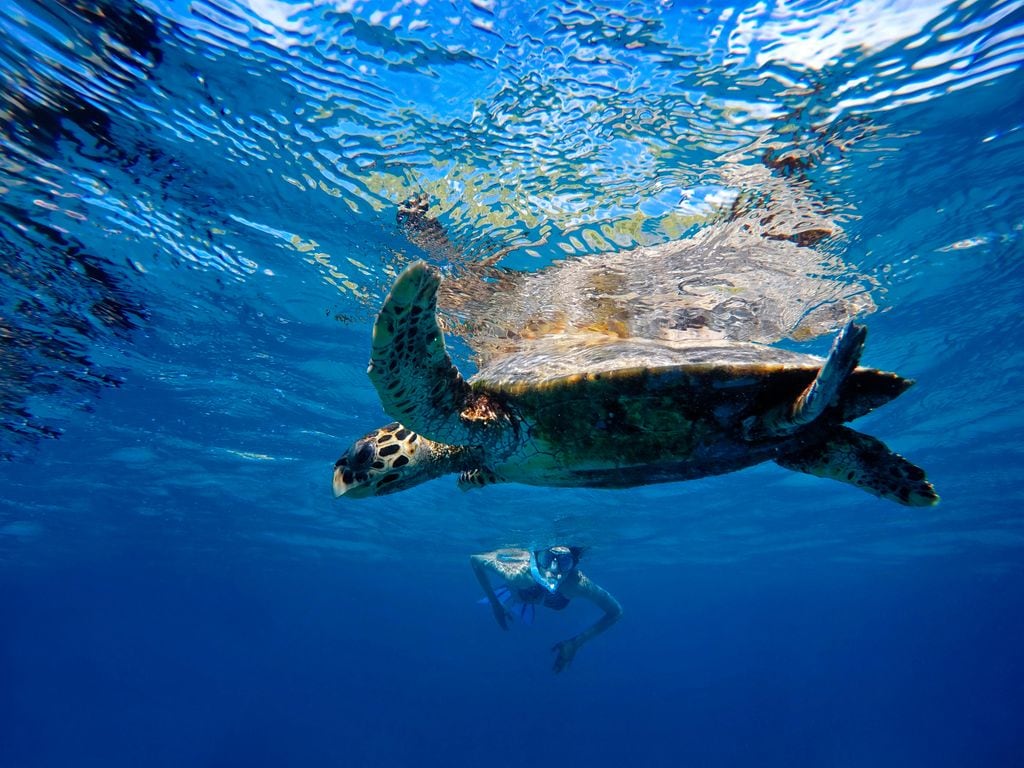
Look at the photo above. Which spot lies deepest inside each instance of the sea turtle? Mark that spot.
(596, 410)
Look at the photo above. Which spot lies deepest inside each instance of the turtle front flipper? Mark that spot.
(820, 393)
(410, 367)
(477, 478)
(866, 462)
(423, 230)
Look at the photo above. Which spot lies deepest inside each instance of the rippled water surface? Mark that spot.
(199, 217)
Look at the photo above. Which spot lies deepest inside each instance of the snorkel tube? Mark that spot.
(550, 583)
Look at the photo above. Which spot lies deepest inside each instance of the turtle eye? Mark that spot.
(364, 454)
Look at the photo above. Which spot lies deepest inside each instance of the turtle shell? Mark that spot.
(596, 405)
(572, 361)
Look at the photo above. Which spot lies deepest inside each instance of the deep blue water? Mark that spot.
(197, 225)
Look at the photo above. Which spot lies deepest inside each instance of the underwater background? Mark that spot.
(197, 224)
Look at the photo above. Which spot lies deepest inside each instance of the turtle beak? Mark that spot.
(351, 490)
(344, 484)
(351, 471)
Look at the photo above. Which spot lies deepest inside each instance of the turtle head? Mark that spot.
(386, 460)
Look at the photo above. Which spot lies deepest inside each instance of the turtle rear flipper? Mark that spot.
(410, 367)
(866, 462)
(820, 393)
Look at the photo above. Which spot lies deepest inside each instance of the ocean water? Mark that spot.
(197, 225)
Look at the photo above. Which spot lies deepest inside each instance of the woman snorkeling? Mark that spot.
(549, 577)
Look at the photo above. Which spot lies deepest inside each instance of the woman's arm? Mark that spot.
(480, 564)
(584, 587)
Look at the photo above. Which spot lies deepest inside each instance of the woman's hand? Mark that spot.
(564, 653)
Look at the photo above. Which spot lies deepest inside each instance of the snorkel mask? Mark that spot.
(549, 566)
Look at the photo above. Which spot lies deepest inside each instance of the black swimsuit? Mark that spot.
(537, 594)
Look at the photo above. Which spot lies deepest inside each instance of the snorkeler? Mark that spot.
(548, 577)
